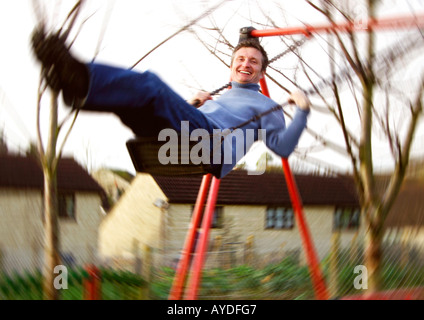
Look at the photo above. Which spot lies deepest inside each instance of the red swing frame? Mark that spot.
(320, 289)
(176, 293)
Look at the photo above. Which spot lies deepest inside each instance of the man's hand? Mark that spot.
(300, 99)
(199, 98)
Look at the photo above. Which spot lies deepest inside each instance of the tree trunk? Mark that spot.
(373, 255)
(51, 246)
(334, 264)
(51, 207)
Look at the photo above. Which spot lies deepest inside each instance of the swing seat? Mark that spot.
(144, 153)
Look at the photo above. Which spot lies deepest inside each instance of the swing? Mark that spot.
(144, 153)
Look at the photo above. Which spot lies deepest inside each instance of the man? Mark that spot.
(147, 105)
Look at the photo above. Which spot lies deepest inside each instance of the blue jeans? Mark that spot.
(142, 101)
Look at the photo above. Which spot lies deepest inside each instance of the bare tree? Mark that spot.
(372, 78)
(49, 155)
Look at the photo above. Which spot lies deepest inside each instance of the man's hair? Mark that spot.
(252, 43)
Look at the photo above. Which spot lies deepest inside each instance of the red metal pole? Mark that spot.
(183, 264)
(311, 255)
(92, 285)
(314, 269)
(196, 273)
(400, 22)
(264, 87)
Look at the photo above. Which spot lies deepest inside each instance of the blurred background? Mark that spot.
(361, 185)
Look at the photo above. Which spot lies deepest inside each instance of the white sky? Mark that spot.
(134, 27)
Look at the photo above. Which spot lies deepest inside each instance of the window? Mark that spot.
(217, 220)
(67, 206)
(346, 218)
(279, 218)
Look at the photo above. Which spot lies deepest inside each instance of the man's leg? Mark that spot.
(143, 101)
(145, 104)
(61, 70)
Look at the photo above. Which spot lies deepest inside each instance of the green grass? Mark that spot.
(116, 285)
(283, 280)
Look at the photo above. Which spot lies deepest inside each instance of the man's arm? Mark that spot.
(281, 139)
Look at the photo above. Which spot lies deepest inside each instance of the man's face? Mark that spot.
(247, 65)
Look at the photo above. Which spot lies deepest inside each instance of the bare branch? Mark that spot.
(325, 142)
(103, 30)
(71, 18)
(50, 153)
(388, 59)
(77, 33)
(355, 65)
(60, 150)
(41, 89)
(184, 28)
(210, 48)
(404, 152)
(386, 123)
(278, 83)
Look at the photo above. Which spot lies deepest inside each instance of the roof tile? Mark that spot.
(24, 172)
(239, 187)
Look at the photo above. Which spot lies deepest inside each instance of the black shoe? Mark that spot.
(62, 71)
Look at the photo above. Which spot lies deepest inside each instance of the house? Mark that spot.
(405, 223)
(253, 221)
(113, 182)
(21, 213)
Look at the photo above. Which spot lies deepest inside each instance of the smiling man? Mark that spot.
(248, 64)
(147, 105)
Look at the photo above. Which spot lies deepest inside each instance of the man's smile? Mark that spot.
(245, 72)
